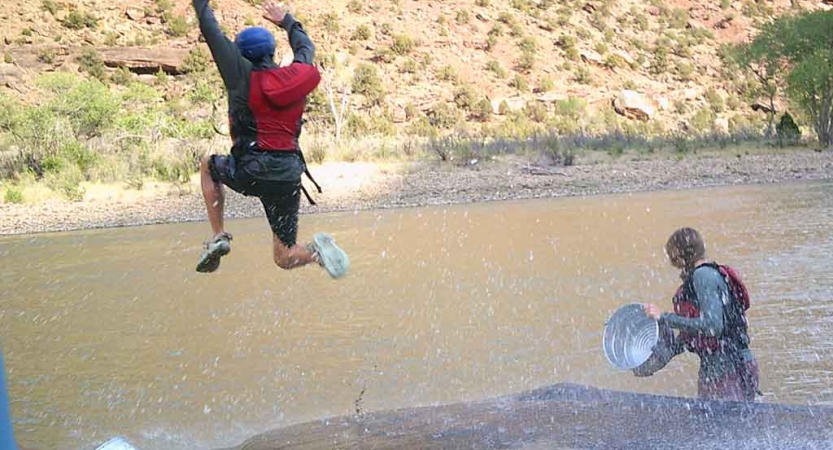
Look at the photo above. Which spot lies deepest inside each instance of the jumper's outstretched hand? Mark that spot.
(275, 12)
(652, 311)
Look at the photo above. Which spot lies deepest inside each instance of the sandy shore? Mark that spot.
(360, 186)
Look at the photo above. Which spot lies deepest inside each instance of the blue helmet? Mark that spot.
(255, 43)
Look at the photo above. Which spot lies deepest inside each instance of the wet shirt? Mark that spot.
(711, 294)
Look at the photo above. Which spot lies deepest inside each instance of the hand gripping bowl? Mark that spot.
(629, 337)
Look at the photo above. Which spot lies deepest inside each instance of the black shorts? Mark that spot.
(281, 199)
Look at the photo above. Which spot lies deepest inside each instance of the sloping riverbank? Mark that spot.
(360, 186)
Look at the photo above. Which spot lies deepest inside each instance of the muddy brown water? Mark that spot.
(110, 332)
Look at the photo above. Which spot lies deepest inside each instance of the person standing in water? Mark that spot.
(266, 104)
(709, 314)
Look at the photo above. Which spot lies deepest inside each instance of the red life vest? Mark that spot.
(734, 314)
(277, 97)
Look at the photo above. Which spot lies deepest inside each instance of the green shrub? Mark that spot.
(204, 92)
(787, 129)
(402, 44)
(482, 3)
(161, 77)
(598, 20)
(13, 195)
(47, 55)
(641, 21)
(519, 83)
(491, 41)
(361, 33)
(495, 67)
(537, 111)
(385, 55)
(163, 7)
(715, 100)
(465, 98)
(442, 115)
(497, 30)
(68, 182)
(79, 155)
(366, 82)
(422, 127)
(382, 124)
(77, 20)
(316, 151)
(609, 35)
(583, 75)
(659, 64)
(355, 6)
(411, 111)
(10, 111)
(600, 47)
(521, 5)
(462, 17)
(703, 120)
(613, 61)
(111, 39)
(385, 29)
(330, 22)
(409, 66)
(88, 106)
(506, 17)
(568, 44)
(7, 57)
(58, 82)
(545, 84)
(121, 76)
(447, 73)
(516, 29)
(700, 35)
(197, 61)
(678, 18)
(572, 108)
(528, 44)
(527, 61)
(90, 62)
(685, 71)
(178, 26)
(49, 6)
(483, 110)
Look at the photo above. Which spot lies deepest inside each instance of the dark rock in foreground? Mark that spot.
(567, 416)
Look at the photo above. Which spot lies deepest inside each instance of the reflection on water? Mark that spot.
(111, 332)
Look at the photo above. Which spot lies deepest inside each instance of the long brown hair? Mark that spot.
(684, 248)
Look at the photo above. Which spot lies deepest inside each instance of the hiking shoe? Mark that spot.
(214, 250)
(332, 258)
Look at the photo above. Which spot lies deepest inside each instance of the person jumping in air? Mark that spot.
(266, 104)
(710, 316)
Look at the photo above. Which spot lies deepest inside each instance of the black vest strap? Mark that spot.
(301, 123)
